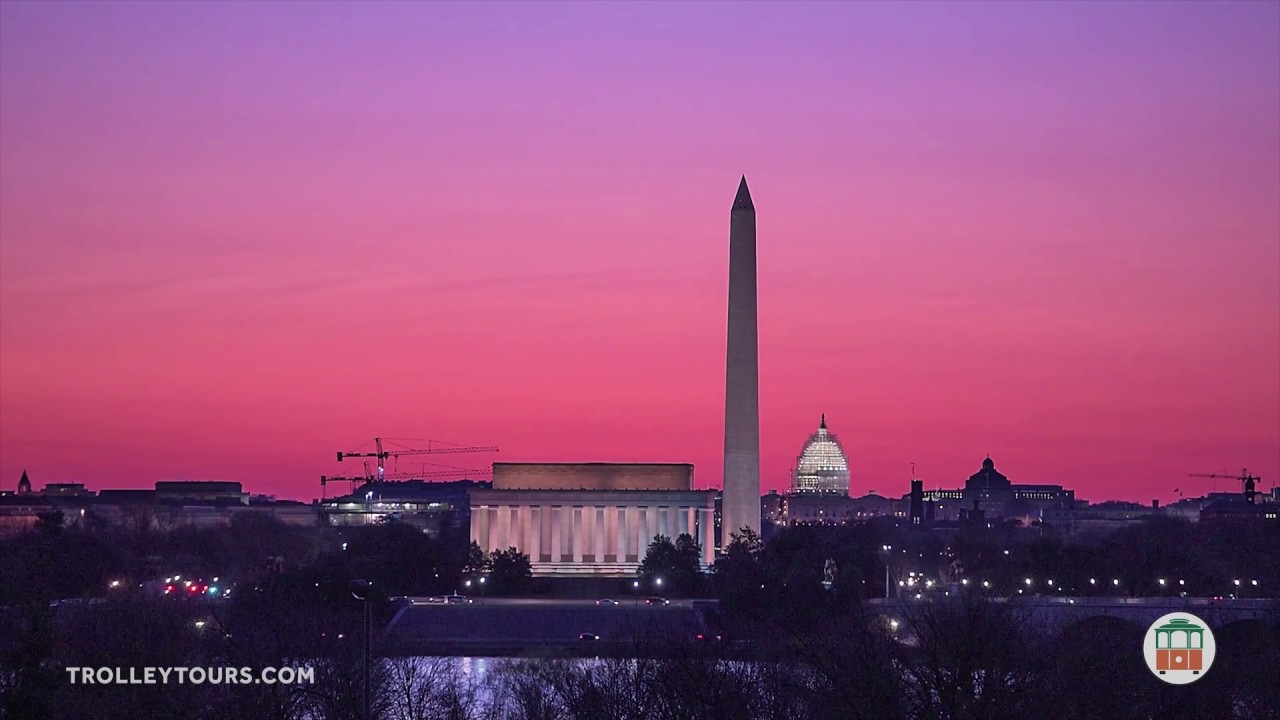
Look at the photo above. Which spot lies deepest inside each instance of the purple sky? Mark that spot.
(237, 237)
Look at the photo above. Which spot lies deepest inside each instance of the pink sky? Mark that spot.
(236, 238)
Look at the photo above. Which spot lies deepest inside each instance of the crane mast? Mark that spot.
(1248, 482)
(381, 454)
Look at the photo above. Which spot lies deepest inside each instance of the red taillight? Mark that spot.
(699, 636)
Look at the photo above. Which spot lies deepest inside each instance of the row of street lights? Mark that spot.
(1029, 582)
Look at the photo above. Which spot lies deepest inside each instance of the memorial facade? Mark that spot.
(590, 519)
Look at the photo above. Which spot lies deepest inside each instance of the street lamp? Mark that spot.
(363, 590)
(482, 579)
(887, 549)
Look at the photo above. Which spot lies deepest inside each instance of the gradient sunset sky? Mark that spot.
(236, 238)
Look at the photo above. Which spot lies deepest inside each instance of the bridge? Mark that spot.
(518, 626)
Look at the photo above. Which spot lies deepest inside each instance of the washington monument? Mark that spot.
(741, 504)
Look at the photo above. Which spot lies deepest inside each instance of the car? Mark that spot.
(606, 601)
(457, 600)
(705, 637)
(588, 636)
(655, 600)
(189, 589)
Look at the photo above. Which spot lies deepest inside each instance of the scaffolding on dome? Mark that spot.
(822, 466)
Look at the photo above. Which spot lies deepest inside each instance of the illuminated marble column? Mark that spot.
(635, 532)
(588, 534)
(611, 534)
(486, 516)
(707, 531)
(535, 534)
(576, 534)
(557, 527)
(598, 544)
(478, 527)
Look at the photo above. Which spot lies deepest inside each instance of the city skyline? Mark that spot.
(307, 227)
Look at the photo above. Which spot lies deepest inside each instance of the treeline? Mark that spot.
(54, 562)
(1202, 559)
(963, 659)
(77, 597)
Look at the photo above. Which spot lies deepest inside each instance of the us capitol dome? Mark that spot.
(822, 467)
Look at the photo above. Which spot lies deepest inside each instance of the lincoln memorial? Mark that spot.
(597, 519)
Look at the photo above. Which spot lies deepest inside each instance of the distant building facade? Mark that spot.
(988, 493)
(170, 504)
(433, 507)
(590, 519)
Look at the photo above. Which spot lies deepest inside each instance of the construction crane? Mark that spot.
(1250, 482)
(455, 472)
(433, 447)
(381, 455)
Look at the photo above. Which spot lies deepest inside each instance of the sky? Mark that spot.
(236, 238)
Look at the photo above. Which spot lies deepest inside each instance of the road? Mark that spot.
(427, 601)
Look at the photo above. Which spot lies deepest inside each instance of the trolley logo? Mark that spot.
(1179, 648)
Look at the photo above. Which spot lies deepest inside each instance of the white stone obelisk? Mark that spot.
(741, 503)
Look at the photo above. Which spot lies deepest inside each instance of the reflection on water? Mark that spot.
(474, 668)
(466, 687)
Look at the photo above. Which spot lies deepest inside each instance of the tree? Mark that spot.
(659, 561)
(672, 567)
(509, 571)
(477, 562)
(740, 580)
(50, 522)
(689, 563)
